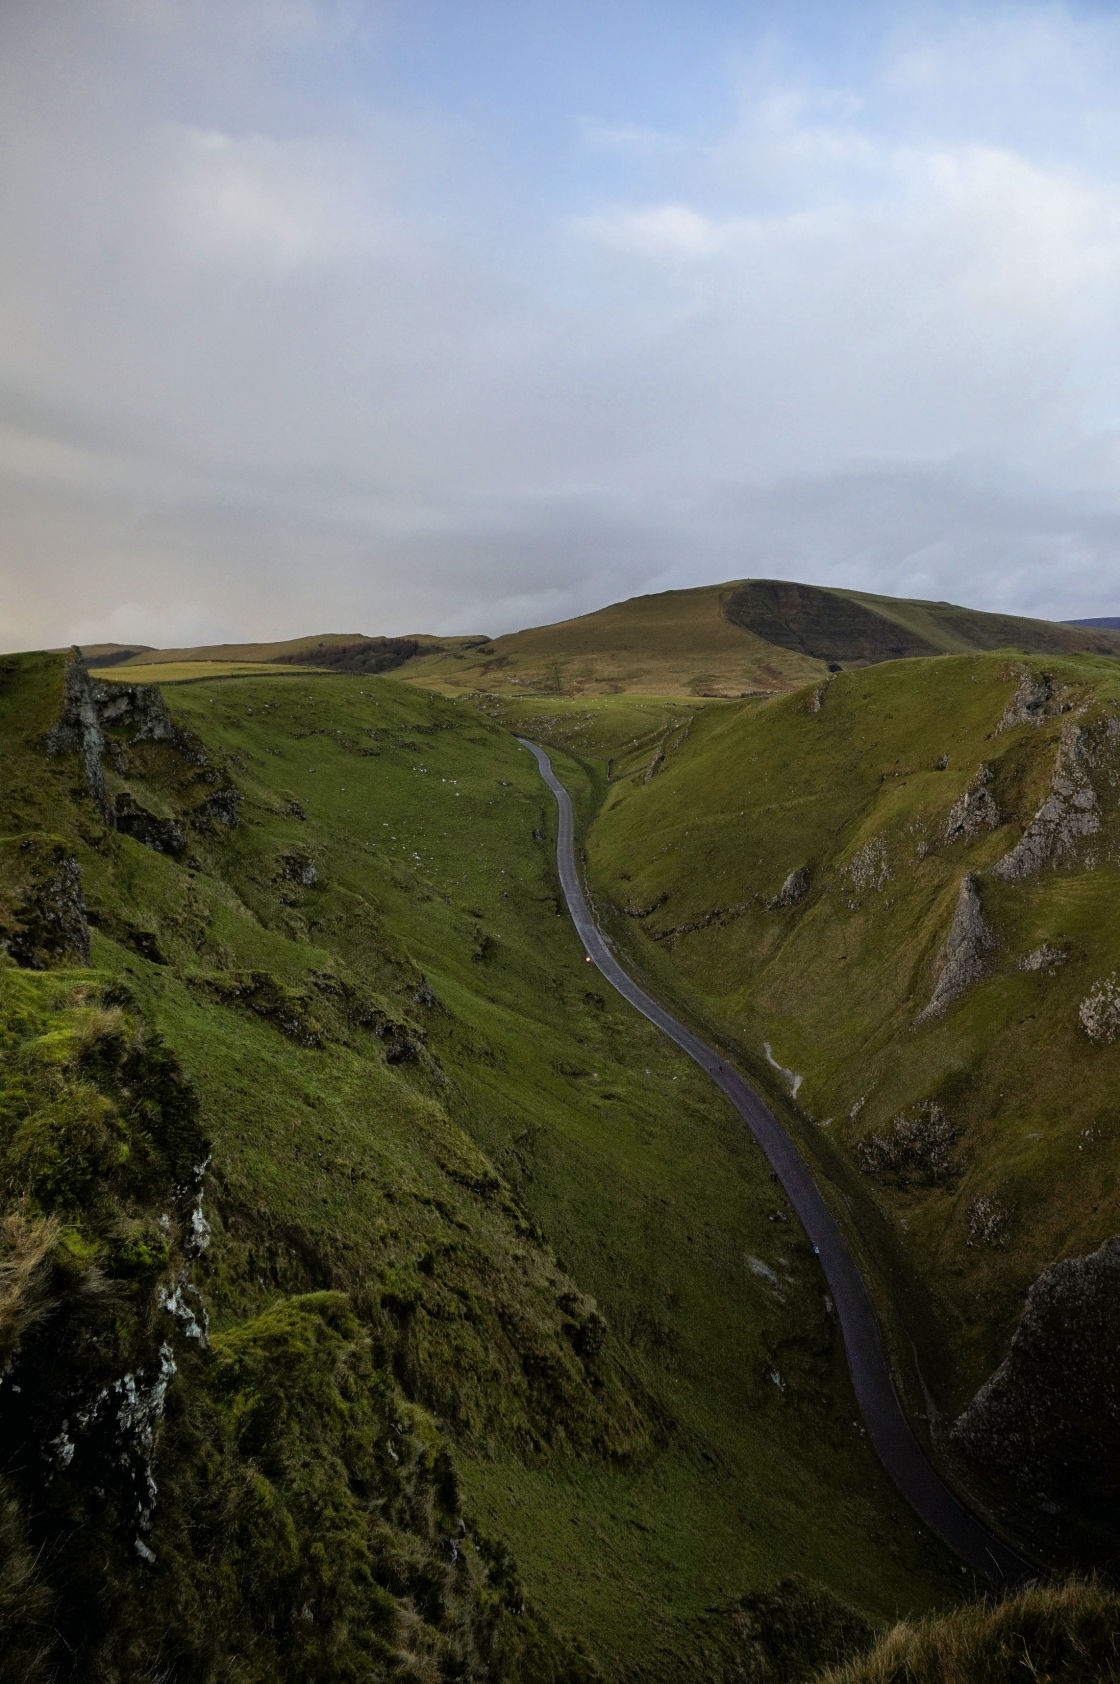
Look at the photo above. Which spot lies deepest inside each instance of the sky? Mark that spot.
(412, 315)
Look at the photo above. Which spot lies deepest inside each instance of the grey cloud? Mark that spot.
(275, 364)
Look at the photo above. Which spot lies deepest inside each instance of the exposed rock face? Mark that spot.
(164, 836)
(868, 868)
(816, 699)
(1031, 703)
(1045, 958)
(299, 868)
(1099, 1012)
(962, 960)
(989, 1221)
(916, 1148)
(975, 813)
(795, 888)
(1068, 815)
(79, 731)
(219, 808)
(50, 923)
(90, 707)
(1048, 1420)
(140, 706)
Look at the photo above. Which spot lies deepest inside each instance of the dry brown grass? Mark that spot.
(1045, 1634)
(25, 1247)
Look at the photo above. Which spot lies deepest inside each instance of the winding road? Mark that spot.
(887, 1426)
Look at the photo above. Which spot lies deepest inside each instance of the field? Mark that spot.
(188, 672)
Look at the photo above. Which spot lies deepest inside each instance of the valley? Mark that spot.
(500, 1305)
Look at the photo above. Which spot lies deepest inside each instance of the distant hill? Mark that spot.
(1112, 621)
(737, 638)
(338, 651)
(744, 637)
(111, 654)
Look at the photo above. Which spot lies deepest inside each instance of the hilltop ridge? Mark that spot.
(742, 637)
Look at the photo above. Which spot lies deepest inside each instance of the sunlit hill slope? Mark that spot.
(744, 637)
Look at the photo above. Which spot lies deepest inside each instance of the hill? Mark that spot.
(741, 638)
(337, 651)
(755, 636)
(112, 654)
(381, 1297)
(895, 892)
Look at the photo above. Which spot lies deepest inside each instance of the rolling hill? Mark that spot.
(360, 1257)
(454, 1321)
(746, 637)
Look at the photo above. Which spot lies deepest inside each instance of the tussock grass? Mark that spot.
(1047, 1634)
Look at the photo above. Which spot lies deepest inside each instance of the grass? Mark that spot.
(149, 671)
(546, 1225)
(678, 643)
(742, 638)
(694, 857)
(952, 630)
(1066, 1634)
(284, 652)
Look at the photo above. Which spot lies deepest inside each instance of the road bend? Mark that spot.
(887, 1427)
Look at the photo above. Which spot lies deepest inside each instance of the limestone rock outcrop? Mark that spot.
(963, 958)
(1048, 1421)
(1099, 1012)
(1032, 701)
(794, 889)
(975, 813)
(136, 714)
(78, 731)
(1069, 813)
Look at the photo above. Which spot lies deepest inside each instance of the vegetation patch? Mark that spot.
(1066, 1634)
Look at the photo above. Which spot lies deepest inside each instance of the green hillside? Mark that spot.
(343, 651)
(896, 893)
(736, 639)
(747, 637)
(515, 1367)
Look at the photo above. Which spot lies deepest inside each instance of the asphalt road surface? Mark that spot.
(887, 1427)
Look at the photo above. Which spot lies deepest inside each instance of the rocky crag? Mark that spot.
(1047, 1423)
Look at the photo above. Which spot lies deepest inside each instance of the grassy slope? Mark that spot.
(641, 1488)
(956, 631)
(835, 984)
(674, 644)
(1068, 1634)
(175, 671)
(283, 650)
(730, 640)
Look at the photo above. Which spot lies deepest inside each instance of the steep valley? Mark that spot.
(383, 1297)
(894, 896)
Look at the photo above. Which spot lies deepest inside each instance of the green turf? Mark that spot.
(551, 1228)
(742, 638)
(694, 857)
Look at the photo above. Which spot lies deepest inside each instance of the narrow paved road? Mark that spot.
(887, 1427)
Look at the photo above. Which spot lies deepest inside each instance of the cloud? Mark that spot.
(287, 348)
